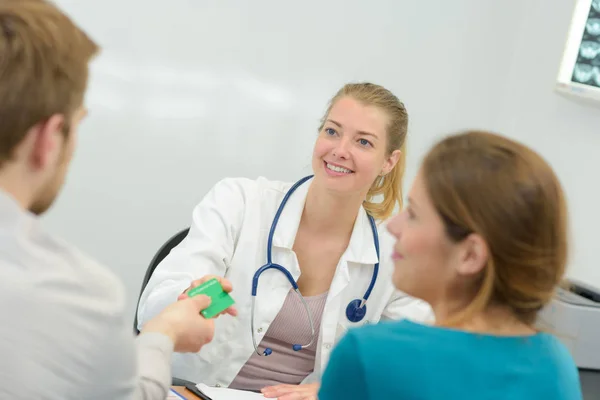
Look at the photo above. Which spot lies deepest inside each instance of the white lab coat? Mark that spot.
(228, 237)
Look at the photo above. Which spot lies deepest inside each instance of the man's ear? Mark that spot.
(391, 162)
(48, 139)
(474, 254)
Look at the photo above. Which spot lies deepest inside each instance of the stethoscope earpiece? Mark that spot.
(356, 309)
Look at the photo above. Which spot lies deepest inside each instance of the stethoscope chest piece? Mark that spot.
(354, 311)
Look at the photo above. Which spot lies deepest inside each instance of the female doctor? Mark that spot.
(318, 235)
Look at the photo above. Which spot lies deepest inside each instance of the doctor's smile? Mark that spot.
(337, 170)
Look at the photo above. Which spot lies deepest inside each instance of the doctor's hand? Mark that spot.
(307, 391)
(184, 325)
(224, 283)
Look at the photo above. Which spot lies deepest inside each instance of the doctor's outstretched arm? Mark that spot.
(207, 249)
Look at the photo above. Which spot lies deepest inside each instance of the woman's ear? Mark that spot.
(390, 162)
(473, 255)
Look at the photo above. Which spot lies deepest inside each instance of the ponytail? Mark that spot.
(390, 186)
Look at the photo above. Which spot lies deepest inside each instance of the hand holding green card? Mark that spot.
(220, 300)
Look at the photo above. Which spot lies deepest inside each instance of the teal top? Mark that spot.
(407, 360)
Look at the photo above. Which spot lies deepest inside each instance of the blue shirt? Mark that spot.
(405, 360)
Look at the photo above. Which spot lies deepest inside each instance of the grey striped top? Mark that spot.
(284, 365)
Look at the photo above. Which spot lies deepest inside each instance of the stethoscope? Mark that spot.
(356, 309)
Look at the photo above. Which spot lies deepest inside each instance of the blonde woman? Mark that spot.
(484, 241)
(323, 230)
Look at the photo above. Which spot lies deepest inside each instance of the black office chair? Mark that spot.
(158, 257)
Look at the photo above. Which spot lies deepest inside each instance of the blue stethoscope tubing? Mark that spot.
(356, 309)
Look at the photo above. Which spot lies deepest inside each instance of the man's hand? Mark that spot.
(183, 323)
(306, 391)
(224, 283)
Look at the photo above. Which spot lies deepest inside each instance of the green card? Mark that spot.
(221, 300)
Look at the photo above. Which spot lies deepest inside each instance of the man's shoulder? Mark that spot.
(58, 274)
(62, 316)
(86, 274)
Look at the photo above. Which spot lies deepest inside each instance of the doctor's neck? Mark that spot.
(329, 213)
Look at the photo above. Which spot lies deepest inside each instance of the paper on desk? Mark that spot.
(173, 395)
(228, 394)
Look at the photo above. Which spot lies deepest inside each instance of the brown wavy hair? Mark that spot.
(487, 184)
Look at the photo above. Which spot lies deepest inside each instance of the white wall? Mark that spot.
(187, 92)
(566, 132)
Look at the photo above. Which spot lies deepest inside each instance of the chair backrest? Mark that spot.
(164, 250)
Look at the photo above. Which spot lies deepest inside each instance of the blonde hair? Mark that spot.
(389, 185)
(44, 68)
(483, 183)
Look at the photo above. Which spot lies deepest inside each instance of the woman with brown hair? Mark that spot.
(483, 240)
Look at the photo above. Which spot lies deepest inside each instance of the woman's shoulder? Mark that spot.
(410, 348)
(251, 185)
(401, 333)
(556, 357)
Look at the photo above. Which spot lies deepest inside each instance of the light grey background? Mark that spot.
(187, 92)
